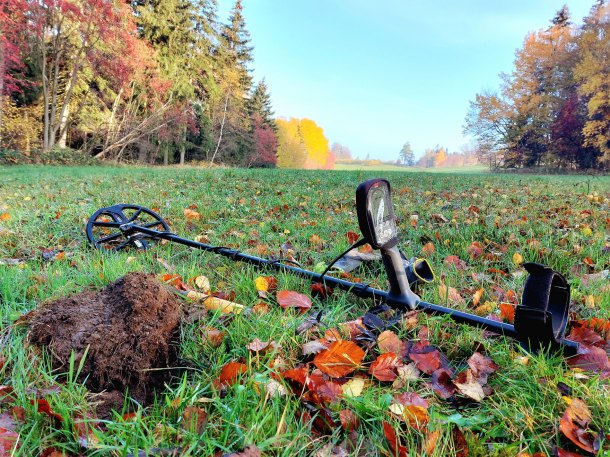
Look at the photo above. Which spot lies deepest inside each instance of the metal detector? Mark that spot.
(540, 320)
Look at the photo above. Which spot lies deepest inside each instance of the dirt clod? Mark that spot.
(128, 327)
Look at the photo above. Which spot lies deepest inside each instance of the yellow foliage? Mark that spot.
(20, 127)
(302, 144)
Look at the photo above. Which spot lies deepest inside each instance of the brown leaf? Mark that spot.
(451, 294)
(468, 385)
(250, 451)
(291, 299)
(328, 392)
(261, 346)
(298, 375)
(590, 358)
(442, 384)
(414, 409)
(44, 407)
(318, 289)
(455, 261)
(230, 373)
(584, 335)
(558, 452)
(352, 237)
(195, 419)
(428, 248)
(313, 347)
(212, 336)
(398, 450)
(459, 442)
(388, 341)
(340, 359)
(428, 361)
(574, 423)
(349, 420)
(384, 368)
(476, 298)
(430, 443)
(482, 367)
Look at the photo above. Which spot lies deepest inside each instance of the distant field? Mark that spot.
(473, 228)
(386, 167)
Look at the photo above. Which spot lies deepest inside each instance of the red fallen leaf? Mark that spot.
(52, 452)
(574, 423)
(349, 420)
(291, 299)
(172, 279)
(558, 452)
(352, 237)
(428, 361)
(354, 328)
(442, 384)
(230, 373)
(385, 367)
(129, 416)
(475, 249)
(398, 450)
(455, 261)
(328, 392)
(298, 375)
(340, 359)
(83, 430)
(590, 358)
(497, 271)
(507, 312)
(459, 442)
(584, 335)
(601, 326)
(388, 341)
(44, 407)
(481, 367)
(318, 289)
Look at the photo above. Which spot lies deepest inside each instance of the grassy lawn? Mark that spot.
(563, 222)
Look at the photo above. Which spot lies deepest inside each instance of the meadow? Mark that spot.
(475, 229)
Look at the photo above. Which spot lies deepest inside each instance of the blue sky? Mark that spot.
(375, 74)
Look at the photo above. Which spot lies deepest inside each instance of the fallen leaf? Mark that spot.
(388, 341)
(5, 217)
(44, 407)
(212, 336)
(455, 261)
(428, 361)
(354, 387)
(442, 384)
(481, 367)
(430, 443)
(250, 451)
(517, 259)
(291, 299)
(230, 373)
(460, 445)
(195, 419)
(352, 237)
(428, 248)
(468, 385)
(451, 294)
(313, 347)
(507, 312)
(575, 422)
(384, 368)
(476, 298)
(191, 215)
(203, 283)
(414, 409)
(341, 358)
(390, 434)
(349, 420)
(590, 358)
(405, 373)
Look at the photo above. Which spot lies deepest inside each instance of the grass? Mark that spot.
(546, 219)
(389, 167)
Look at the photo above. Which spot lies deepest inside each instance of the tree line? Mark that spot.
(553, 109)
(152, 81)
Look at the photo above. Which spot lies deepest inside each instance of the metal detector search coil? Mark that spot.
(540, 320)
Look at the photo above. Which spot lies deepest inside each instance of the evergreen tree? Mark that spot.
(260, 103)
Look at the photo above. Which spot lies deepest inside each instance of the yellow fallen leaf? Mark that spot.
(203, 283)
(517, 259)
(586, 231)
(354, 387)
(590, 301)
(216, 304)
(261, 284)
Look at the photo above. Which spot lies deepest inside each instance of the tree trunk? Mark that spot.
(222, 125)
(165, 154)
(183, 146)
(63, 128)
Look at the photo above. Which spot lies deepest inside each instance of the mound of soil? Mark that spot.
(129, 328)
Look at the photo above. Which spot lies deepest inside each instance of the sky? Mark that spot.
(377, 74)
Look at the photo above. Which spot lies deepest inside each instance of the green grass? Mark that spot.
(546, 219)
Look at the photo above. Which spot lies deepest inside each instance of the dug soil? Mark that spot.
(126, 332)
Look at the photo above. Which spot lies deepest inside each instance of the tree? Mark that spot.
(406, 156)
(302, 144)
(593, 75)
(340, 152)
(260, 103)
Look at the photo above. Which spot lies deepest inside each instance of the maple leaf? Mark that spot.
(291, 299)
(384, 368)
(340, 359)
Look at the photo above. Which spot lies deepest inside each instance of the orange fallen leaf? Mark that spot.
(340, 359)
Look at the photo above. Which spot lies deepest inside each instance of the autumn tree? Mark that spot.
(593, 75)
(340, 152)
(291, 150)
(263, 129)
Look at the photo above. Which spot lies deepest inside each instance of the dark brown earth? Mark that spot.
(130, 328)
